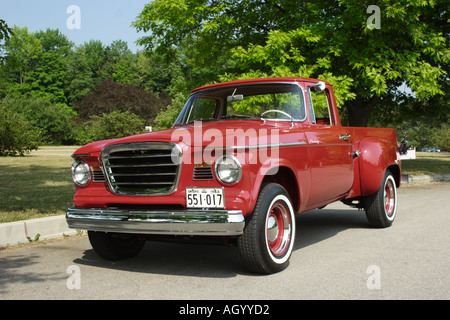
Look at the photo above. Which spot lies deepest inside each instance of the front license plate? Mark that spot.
(205, 198)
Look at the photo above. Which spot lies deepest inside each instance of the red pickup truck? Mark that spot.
(242, 159)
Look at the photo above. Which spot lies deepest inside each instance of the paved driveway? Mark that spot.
(336, 256)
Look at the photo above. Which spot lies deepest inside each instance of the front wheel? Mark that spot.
(113, 247)
(381, 207)
(268, 238)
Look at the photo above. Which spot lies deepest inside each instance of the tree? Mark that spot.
(5, 33)
(49, 77)
(37, 64)
(24, 53)
(325, 38)
(154, 73)
(80, 77)
(108, 96)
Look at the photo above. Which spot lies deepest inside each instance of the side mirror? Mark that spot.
(319, 86)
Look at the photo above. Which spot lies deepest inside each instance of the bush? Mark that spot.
(53, 120)
(166, 118)
(17, 135)
(116, 124)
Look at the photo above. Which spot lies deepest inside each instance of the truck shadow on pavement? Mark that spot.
(216, 261)
(320, 224)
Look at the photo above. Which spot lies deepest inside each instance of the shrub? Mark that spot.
(166, 118)
(54, 120)
(116, 124)
(17, 135)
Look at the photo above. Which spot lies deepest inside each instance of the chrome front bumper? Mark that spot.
(188, 222)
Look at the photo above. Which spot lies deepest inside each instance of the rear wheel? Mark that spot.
(115, 247)
(268, 238)
(381, 207)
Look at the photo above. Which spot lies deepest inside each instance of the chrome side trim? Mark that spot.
(275, 145)
(186, 222)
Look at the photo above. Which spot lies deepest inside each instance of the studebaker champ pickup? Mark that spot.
(241, 161)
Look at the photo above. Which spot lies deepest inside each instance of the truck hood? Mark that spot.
(213, 134)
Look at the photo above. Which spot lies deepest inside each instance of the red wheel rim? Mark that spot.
(278, 229)
(389, 198)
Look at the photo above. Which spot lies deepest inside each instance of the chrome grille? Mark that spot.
(142, 168)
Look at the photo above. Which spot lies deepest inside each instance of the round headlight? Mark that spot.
(228, 169)
(81, 174)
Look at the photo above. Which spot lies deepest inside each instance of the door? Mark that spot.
(329, 150)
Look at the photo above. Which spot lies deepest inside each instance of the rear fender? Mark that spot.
(375, 157)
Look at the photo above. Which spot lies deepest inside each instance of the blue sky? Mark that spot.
(105, 20)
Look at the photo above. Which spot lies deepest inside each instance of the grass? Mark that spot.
(40, 184)
(36, 185)
(427, 163)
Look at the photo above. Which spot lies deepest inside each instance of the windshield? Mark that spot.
(253, 102)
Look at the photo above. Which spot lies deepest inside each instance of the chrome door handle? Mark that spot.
(344, 137)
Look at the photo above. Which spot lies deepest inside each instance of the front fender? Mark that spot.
(282, 171)
(376, 156)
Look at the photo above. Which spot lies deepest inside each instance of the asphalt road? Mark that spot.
(336, 256)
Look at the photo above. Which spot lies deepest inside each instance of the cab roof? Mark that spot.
(258, 80)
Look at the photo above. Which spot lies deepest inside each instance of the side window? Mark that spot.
(203, 109)
(319, 107)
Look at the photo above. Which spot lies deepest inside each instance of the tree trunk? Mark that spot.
(359, 111)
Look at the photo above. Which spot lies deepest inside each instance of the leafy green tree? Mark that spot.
(5, 33)
(85, 69)
(122, 62)
(326, 38)
(49, 77)
(156, 74)
(37, 64)
(80, 77)
(441, 137)
(24, 53)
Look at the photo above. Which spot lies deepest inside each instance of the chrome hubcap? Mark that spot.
(272, 229)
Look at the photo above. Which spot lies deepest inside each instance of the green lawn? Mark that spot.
(36, 185)
(40, 184)
(427, 163)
